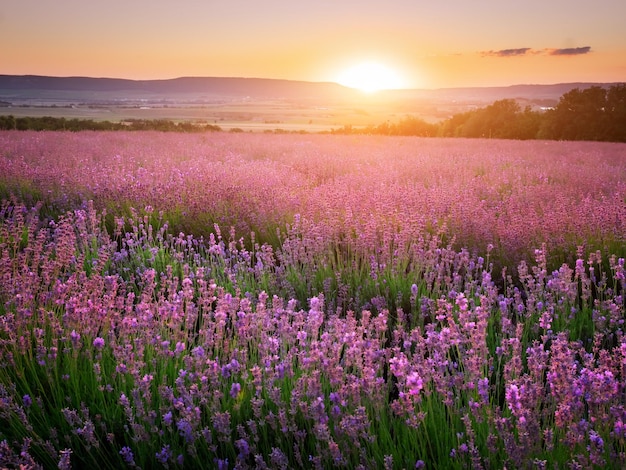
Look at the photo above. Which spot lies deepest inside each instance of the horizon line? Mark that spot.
(324, 82)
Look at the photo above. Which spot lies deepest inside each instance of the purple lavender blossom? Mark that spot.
(198, 351)
(278, 459)
(27, 401)
(235, 389)
(127, 455)
(75, 337)
(64, 459)
(222, 464)
(415, 383)
(243, 447)
(185, 430)
(164, 455)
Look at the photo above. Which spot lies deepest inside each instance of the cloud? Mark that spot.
(524, 51)
(507, 52)
(571, 51)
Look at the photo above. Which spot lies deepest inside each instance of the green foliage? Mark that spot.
(595, 113)
(48, 123)
(409, 125)
(503, 119)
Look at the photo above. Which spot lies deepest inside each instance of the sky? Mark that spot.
(433, 44)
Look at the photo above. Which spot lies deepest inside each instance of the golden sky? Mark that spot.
(427, 44)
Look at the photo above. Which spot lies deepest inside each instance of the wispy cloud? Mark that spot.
(570, 51)
(524, 51)
(507, 52)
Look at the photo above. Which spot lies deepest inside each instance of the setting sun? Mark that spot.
(370, 77)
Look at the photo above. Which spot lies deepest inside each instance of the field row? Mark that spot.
(364, 191)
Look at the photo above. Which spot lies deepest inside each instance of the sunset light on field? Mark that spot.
(425, 45)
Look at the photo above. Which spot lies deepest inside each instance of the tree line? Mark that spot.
(594, 113)
(48, 123)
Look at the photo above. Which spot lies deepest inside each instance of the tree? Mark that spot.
(504, 119)
(8, 122)
(579, 115)
(616, 111)
(453, 126)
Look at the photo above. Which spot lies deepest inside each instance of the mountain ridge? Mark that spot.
(259, 87)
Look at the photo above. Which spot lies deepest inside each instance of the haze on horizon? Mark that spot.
(427, 45)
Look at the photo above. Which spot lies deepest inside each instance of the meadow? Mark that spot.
(310, 301)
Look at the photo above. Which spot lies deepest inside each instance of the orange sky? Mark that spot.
(439, 44)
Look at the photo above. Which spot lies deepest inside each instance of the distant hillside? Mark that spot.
(259, 88)
(253, 87)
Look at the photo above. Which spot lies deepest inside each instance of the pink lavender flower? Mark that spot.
(415, 383)
(514, 402)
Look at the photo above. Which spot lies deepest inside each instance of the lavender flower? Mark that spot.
(64, 459)
(243, 447)
(415, 383)
(127, 455)
(185, 430)
(164, 455)
(222, 464)
(235, 389)
(27, 401)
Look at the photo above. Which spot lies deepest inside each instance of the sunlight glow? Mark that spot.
(370, 77)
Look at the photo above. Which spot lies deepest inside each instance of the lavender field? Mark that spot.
(310, 301)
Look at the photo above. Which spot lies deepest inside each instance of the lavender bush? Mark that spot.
(352, 330)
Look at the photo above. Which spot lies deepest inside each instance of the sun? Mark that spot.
(370, 77)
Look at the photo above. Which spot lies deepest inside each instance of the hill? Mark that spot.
(210, 86)
(265, 88)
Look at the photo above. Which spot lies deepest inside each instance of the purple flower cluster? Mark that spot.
(360, 332)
